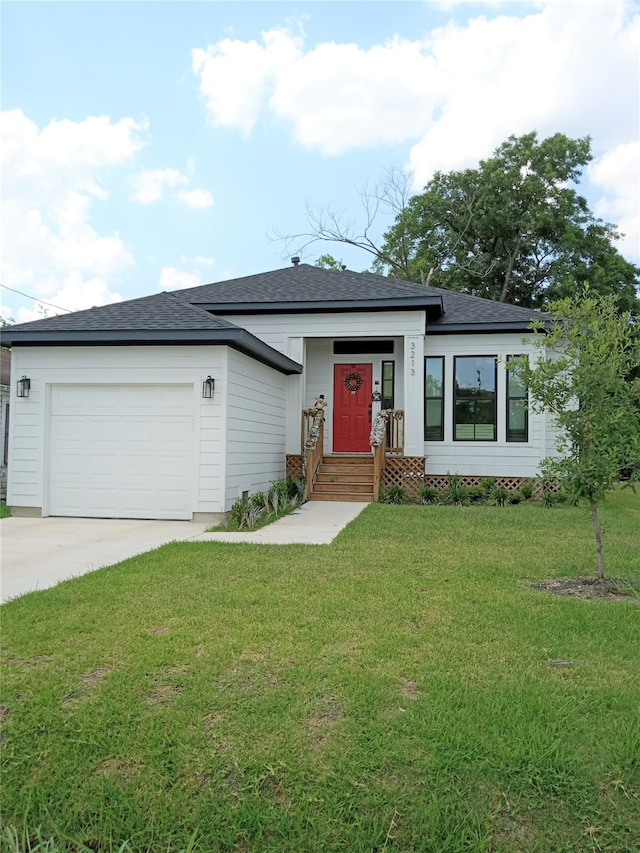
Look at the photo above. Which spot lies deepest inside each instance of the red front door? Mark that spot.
(351, 408)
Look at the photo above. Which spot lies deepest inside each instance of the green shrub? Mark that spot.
(429, 495)
(456, 493)
(527, 489)
(488, 484)
(393, 494)
(500, 496)
(551, 499)
(295, 488)
(516, 497)
(477, 493)
(245, 512)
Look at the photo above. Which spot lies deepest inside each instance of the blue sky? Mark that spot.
(155, 145)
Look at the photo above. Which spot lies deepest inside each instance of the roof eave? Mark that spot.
(238, 339)
(411, 303)
(478, 328)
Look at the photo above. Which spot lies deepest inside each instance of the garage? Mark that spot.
(121, 451)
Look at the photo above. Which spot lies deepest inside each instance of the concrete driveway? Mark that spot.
(39, 552)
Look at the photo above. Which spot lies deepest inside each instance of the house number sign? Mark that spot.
(412, 358)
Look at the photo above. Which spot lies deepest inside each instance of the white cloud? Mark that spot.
(234, 75)
(550, 66)
(198, 260)
(50, 179)
(175, 279)
(617, 174)
(553, 70)
(76, 293)
(196, 198)
(151, 185)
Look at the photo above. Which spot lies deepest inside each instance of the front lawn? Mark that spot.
(403, 689)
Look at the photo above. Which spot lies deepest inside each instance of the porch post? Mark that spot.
(295, 396)
(413, 395)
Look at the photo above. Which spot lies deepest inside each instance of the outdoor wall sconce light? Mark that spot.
(376, 397)
(24, 386)
(207, 388)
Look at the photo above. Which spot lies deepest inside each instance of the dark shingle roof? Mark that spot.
(158, 319)
(193, 315)
(308, 288)
(149, 313)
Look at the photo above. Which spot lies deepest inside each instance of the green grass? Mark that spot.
(5, 511)
(394, 691)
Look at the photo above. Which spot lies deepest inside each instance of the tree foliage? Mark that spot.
(515, 229)
(584, 376)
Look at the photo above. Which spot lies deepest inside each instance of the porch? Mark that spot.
(356, 476)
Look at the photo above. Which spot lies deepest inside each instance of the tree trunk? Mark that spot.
(599, 541)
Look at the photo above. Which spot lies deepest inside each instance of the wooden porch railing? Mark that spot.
(387, 437)
(312, 446)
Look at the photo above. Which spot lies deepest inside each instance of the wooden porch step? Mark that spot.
(343, 486)
(341, 496)
(334, 476)
(344, 478)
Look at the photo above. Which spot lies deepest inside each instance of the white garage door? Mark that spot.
(121, 451)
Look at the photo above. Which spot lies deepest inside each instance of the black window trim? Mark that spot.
(440, 397)
(495, 396)
(508, 398)
(393, 383)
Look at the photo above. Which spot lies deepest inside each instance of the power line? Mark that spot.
(36, 299)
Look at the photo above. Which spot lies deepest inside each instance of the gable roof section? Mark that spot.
(305, 288)
(158, 319)
(471, 314)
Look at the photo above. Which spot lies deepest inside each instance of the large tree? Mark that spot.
(515, 229)
(585, 377)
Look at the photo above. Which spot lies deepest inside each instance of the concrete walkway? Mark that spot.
(315, 523)
(38, 553)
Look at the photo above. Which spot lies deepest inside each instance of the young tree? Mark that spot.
(584, 376)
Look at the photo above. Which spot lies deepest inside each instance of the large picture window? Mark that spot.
(517, 415)
(474, 415)
(434, 398)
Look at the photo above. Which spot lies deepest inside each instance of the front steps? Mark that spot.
(344, 478)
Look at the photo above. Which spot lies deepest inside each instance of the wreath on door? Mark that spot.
(353, 382)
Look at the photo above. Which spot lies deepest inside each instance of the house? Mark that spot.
(5, 382)
(174, 405)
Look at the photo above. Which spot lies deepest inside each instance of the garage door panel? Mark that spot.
(136, 500)
(170, 501)
(100, 467)
(173, 465)
(141, 466)
(121, 451)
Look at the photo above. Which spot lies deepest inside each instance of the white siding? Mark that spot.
(276, 329)
(320, 361)
(256, 412)
(490, 458)
(141, 366)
